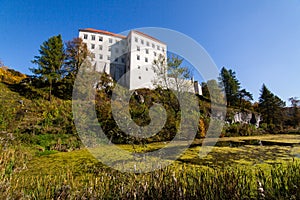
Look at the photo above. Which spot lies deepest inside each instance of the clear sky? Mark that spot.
(258, 39)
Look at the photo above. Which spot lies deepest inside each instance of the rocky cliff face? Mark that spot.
(246, 118)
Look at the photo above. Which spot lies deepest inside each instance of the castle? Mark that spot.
(128, 59)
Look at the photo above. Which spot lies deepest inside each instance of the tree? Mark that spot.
(50, 61)
(230, 85)
(270, 107)
(244, 97)
(76, 54)
(212, 91)
(170, 74)
(295, 115)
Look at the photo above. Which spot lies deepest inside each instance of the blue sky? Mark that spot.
(258, 39)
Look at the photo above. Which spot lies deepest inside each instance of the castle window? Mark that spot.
(139, 67)
(85, 36)
(108, 57)
(147, 51)
(153, 46)
(138, 48)
(142, 41)
(110, 40)
(136, 39)
(140, 77)
(154, 53)
(146, 59)
(109, 48)
(100, 47)
(100, 39)
(100, 56)
(93, 37)
(147, 44)
(92, 46)
(138, 57)
(146, 68)
(158, 48)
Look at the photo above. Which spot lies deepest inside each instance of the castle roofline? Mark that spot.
(148, 36)
(91, 30)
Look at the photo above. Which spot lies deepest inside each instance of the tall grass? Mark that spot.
(179, 181)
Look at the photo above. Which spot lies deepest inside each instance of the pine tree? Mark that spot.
(270, 107)
(230, 85)
(50, 61)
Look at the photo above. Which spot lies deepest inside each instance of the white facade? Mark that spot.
(128, 59)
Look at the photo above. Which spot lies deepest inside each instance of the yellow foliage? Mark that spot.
(202, 128)
(10, 76)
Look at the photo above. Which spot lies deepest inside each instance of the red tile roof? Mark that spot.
(91, 30)
(102, 32)
(148, 36)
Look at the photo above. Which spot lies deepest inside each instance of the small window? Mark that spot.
(146, 59)
(136, 39)
(138, 57)
(142, 41)
(158, 48)
(140, 77)
(93, 37)
(85, 36)
(154, 53)
(92, 46)
(110, 40)
(147, 51)
(108, 57)
(146, 68)
(163, 49)
(139, 67)
(148, 44)
(100, 38)
(100, 56)
(153, 46)
(109, 48)
(138, 48)
(100, 47)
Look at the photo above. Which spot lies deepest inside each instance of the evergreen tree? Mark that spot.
(50, 61)
(230, 85)
(270, 107)
(296, 114)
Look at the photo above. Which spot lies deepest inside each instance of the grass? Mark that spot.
(225, 173)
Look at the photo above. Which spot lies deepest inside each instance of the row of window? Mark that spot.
(148, 44)
(146, 50)
(139, 67)
(109, 48)
(100, 39)
(120, 60)
(139, 58)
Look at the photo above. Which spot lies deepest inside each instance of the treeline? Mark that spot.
(276, 117)
(58, 65)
